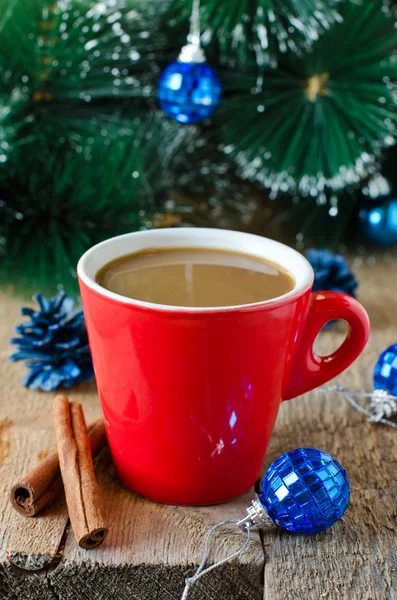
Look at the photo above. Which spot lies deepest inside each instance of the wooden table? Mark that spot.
(151, 548)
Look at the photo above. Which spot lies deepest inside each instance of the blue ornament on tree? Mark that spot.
(189, 92)
(189, 89)
(378, 220)
(385, 373)
(331, 272)
(54, 344)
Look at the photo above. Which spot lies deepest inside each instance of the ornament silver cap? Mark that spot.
(256, 516)
(192, 53)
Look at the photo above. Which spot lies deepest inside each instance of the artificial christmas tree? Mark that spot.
(309, 105)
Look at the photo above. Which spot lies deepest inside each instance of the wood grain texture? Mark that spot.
(357, 558)
(151, 548)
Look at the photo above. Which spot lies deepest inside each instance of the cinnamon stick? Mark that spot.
(77, 470)
(32, 492)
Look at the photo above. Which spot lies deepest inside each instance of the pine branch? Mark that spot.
(83, 156)
(62, 199)
(80, 49)
(318, 121)
(73, 55)
(259, 27)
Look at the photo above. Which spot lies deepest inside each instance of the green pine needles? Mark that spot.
(262, 27)
(309, 104)
(56, 205)
(60, 58)
(84, 155)
(318, 121)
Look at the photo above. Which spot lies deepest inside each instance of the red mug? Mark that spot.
(190, 395)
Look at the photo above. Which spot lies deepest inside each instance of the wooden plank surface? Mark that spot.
(152, 548)
(357, 558)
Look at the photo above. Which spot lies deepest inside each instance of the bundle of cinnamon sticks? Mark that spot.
(71, 465)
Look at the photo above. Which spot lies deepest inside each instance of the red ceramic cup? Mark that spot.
(190, 395)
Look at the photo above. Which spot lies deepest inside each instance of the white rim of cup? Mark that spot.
(222, 239)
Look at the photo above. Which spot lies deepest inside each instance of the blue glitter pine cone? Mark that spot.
(305, 490)
(331, 272)
(54, 344)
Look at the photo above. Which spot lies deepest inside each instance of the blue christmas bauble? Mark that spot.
(378, 220)
(189, 92)
(385, 373)
(305, 490)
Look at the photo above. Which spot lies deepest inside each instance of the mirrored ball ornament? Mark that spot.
(385, 373)
(189, 92)
(305, 490)
(378, 220)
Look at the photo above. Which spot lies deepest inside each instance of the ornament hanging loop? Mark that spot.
(201, 569)
(382, 403)
(194, 33)
(193, 52)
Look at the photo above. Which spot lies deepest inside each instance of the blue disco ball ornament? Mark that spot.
(385, 373)
(189, 92)
(305, 490)
(378, 220)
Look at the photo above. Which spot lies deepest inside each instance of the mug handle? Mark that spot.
(310, 370)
